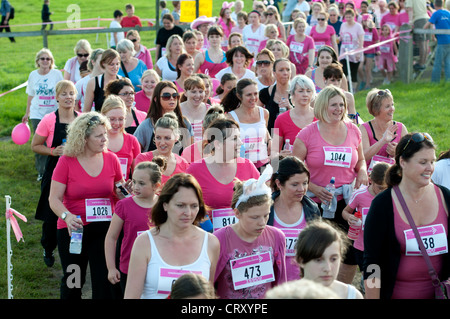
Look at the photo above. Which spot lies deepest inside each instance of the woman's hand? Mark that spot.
(390, 133)
(361, 178)
(58, 151)
(73, 223)
(114, 276)
(321, 193)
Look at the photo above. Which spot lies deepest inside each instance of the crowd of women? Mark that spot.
(214, 167)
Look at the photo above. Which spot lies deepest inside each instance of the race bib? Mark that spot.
(124, 167)
(252, 270)
(296, 47)
(337, 156)
(255, 148)
(47, 101)
(223, 217)
(198, 130)
(318, 45)
(98, 210)
(167, 277)
(368, 37)
(291, 235)
(252, 44)
(385, 49)
(433, 237)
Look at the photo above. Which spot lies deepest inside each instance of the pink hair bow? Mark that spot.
(227, 5)
(15, 225)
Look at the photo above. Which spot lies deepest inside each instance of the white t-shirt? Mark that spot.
(249, 74)
(253, 39)
(303, 7)
(167, 73)
(441, 174)
(42, 88)
(81, 89)
(68, 68)
(120, 35)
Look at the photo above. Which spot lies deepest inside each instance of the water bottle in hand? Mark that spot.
(332, 189)
(76, 240)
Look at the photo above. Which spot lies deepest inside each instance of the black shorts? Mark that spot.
(353, 69)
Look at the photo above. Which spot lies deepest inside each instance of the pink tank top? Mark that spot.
(210, 68)
(291, 232)
(413, 280)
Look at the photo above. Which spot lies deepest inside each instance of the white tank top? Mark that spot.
(253, 135)
(160, 275)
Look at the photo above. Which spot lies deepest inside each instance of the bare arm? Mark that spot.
(137, 269)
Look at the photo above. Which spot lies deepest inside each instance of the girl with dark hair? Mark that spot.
(185, 68)
(292, 208)
(175, 245)
(238, 60)
(389, 241)
(214, 58)
(165, 99)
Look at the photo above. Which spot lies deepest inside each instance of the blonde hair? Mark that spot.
(374, 100)
(41, 52)
(284, 47)
(150, 72)
(299, 20)
(83, 44)
(63, 85)
(322, 101)
(269, 28)
(155, 168)
(80, 129)
(169, 44)
(114, 102)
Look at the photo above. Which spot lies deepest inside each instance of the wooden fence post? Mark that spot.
(405, 52)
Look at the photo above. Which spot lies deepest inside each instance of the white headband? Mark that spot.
(253, 187)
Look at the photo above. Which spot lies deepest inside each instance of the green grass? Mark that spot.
(421, 107)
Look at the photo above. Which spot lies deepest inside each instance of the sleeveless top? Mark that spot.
(99, 93)
(160, 275)
(313, 78)
(253, 135)
(210, 68)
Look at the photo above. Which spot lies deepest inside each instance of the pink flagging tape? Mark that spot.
(14, 89)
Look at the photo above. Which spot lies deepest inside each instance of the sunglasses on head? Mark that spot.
(418, 138)
(383, 92)
(166, 96)
(263, 62)
(93, 121)
(83, 55)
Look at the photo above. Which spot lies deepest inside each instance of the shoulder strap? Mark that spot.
(124, 69)
(431, 271)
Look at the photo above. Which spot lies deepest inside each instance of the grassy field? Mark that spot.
(421, 107)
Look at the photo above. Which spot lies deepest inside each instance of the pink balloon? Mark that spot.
(21, 133)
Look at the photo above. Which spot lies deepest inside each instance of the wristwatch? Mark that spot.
(64, 215)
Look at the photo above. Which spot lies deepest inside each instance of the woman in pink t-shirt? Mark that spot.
(166, 135)
(133, 216)
(322, 33)
(331, 147)
(288, 124)
(124, 145)
(216, 173)
(252, 254)
(83, 184)
(301, 47)
(143, 98)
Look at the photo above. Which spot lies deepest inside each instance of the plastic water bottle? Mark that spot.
(355, 229)
(332, 189)
(282, 108)
(76, 241)
(287, 145)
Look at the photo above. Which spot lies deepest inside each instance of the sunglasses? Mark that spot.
(418, 138)
(133, 40)
(85, 55)
(166, 96)
(127, 94)
(45, 59)
(263, 62)
(269, 13)
(93, 121)
(320, 19)
(383, 92)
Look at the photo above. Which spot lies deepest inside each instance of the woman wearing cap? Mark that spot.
(250, 241)
(253, 33)
(202, 24)
(213, 59)
(400, 270)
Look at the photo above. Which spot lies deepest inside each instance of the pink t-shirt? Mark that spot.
(191, 153)
(361, 200)
(181, 166)
(413, 280)
(81, 186)
(136, 219)
(142, 101)
(403, 18)
(232, 246)
(299, 52)
(371, 37)
(215, 194)
(46, 127)
(141, 116)
(392, 21)
(321, 39)
(349, 38)
(291, 232)
(128, 153)
(287, 129)
(341, 167)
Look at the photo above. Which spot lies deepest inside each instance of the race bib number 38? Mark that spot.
(98, 210)
(252, 270)
(433, 237)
